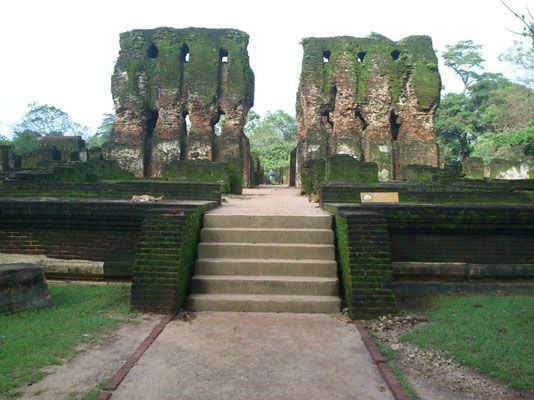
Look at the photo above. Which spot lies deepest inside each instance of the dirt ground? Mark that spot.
(433, 376)
(92, 363)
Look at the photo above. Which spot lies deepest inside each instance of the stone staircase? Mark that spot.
(266, 264)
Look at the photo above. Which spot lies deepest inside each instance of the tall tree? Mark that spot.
(527, 22)
(47, 120)
(465, 59)
(457, 127)
(523, 59)
(103, 132)
(272, 137)
(25, 141)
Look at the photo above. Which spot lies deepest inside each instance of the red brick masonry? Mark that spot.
(398, 391)
(115, 381)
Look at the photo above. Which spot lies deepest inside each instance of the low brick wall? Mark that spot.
(478, 192)
(495, 235)
(112, 190)
(413, 279)
(86, 229)
(365, 263)
(164, 260)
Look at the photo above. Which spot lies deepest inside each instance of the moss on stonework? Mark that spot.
(228, 174)
(397, 61)
(343, 167)
(155, 58)
(312, 174)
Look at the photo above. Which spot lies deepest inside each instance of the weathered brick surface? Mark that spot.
(96, 230)
(455, 193)
(164, 260)
(370, 237)
(365, 262)
(112, 190)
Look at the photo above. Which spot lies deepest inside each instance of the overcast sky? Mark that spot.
(62, 53)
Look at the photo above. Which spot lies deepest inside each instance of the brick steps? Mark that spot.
(266, 264)
(274, 266)
(264, 303)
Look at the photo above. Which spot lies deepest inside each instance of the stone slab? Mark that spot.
(22, 286)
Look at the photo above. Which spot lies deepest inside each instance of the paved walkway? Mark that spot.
(256, 356)
(269, 200)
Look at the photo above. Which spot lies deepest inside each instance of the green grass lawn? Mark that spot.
(32, 339)
(492, 334)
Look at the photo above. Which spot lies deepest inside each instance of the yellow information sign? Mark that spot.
(379, 197)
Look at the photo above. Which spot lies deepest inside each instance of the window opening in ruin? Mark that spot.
(363, 122)
(187, 123)
(361, 56)
(395, 126)
(395, 54)
(185, 53)
(223, 56)
(327, 123)
(152, 51)
(149, 132)
(333, 94)
(326, 56)
(217, 127)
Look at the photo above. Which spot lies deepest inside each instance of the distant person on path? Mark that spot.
(271, 175)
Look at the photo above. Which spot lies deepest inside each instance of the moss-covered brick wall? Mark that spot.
(362, 249)
(170, 88)
(425, 174)
(345, 168)
(475, 168)
(112, 190)
(227, 174)
(481, 192)
(160, 54)
(498, 239)
(7, 160)
(312, 174)
(164, 260)
(469, 233)
(75, 171)
(62, 143)
(96, 230)
(371, 98)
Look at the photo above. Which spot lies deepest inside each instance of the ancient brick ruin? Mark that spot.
(371, 98)
(164, 75)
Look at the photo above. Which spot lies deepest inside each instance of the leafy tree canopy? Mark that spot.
(464, 58)
(523, 59)
(47, 120)
(493, 105)
(272, 137)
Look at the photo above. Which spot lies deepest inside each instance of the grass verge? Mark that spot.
(492, 334)
(388, 354)
(35, 338)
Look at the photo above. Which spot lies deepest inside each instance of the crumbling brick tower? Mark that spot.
(372, 98)
(164, 75)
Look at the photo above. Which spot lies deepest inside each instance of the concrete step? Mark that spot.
(266, 250)
(258, 267)
(255, 235)
(268, 221)
(264, 303)
(274, 285)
